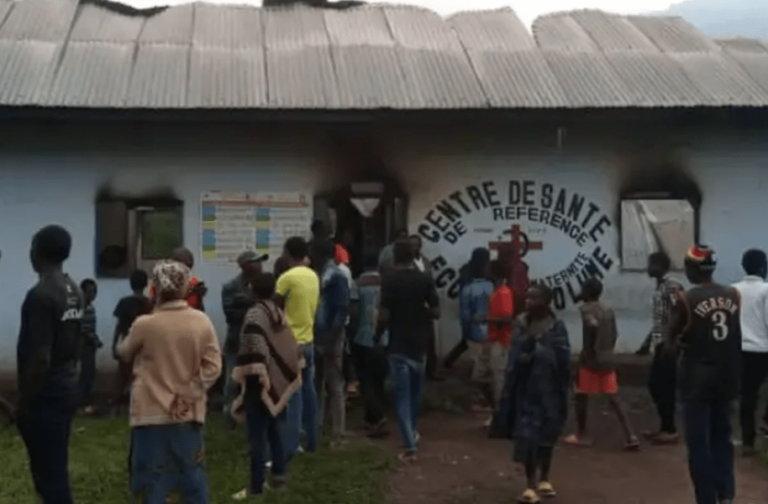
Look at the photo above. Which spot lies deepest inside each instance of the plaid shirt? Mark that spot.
(663, 300)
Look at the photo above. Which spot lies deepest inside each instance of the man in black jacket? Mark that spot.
(47, 354)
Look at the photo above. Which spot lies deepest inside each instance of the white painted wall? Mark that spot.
(52, 174)
(729, 167)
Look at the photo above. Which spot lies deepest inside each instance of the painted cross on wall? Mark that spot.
(513, 251)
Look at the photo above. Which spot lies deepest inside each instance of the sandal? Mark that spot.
(546, 489)
(666, 438)
(632, 445)
(407, 457)
(574, 440)
(529, 497)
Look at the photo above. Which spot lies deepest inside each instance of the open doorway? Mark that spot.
(364, 217)
(365, 213)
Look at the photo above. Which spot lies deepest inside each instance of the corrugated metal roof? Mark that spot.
(612, 33)
(752, 55)
(511, 69)
(436, 68)
(98, 24)
(300, 72)
(39, 20)
(92, 53)
(227, 68)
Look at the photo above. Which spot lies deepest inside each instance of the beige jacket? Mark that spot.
(176, 359)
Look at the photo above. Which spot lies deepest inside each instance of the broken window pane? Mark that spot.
(651, 225)
(161, 233)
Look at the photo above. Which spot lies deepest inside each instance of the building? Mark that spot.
(602, 137)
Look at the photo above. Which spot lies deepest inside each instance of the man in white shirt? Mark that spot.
(754, 344)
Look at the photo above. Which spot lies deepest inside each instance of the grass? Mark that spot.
(355, 474)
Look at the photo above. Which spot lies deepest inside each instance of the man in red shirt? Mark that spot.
(501, 313)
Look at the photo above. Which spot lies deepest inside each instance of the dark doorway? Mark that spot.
(364, 217)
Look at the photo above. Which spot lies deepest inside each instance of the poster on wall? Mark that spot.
(563, 235)
(231, 223)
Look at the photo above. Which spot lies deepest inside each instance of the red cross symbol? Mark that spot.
(513, 251)
(518, 246)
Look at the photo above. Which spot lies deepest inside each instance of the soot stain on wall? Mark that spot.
(657, 173)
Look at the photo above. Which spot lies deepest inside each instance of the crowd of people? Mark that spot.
(298, 337)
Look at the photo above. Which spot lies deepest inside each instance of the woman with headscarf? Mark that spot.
(176, 359)
(535, 404)
(268, 371)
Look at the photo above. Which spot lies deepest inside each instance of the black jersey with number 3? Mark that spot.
(712, 343)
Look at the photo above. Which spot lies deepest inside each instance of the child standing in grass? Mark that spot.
(128, 309)
(90, 344)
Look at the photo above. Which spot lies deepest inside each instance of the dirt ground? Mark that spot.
(458, 464)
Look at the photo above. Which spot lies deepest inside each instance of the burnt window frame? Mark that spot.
(131, 239)
(674, 195)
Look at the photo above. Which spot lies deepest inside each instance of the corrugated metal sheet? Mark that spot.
(752, 55)
(561, 32)
(437, 71)
(5, 9)
(92, 74)
(612, 33)
(492, 30)
(655, 80)
(721, 79)
(26, 68)
(512, 70)
(159, 78)
(300, 72)
(172, 26)
(227, 67)
(41, 20)
(520, 79)
(227, 27)
(742, 45)
(591, 80)
(365, 58)
(88, 53)
(97, 23)
(673, 35)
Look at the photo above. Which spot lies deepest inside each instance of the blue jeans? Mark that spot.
(408, 376)
(168, 458)
(264, 433)
(45, 431)
(302, 408)
(710, 450)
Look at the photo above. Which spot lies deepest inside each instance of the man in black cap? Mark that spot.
(236, 300)
(706, 322)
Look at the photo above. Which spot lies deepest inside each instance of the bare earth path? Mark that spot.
(458, 464)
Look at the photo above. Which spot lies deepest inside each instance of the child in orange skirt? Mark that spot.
(597, 373)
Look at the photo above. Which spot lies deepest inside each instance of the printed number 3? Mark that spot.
(720, 330)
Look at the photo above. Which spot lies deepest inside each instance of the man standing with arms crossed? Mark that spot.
(47, 354)
(236, 299)
(754, 341)
(705, 321)
(298, 293)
